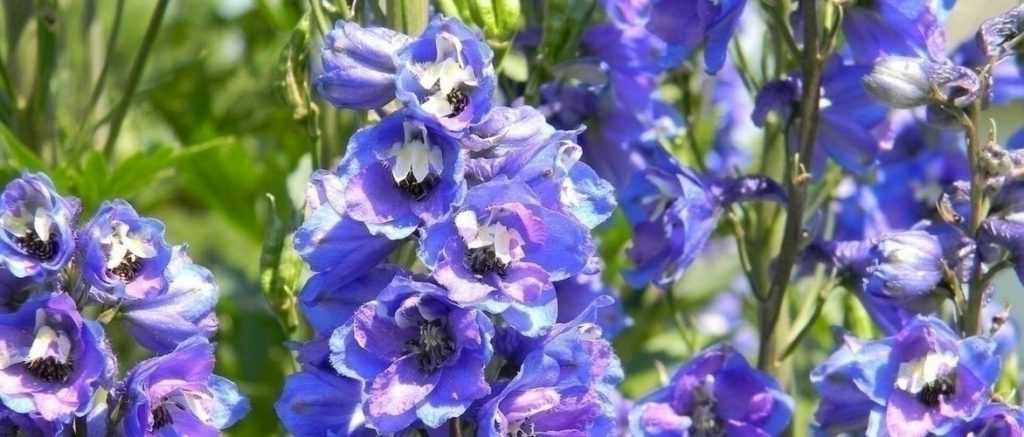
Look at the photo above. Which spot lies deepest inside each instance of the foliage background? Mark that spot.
(210, 131)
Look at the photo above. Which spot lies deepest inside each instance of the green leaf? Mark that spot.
(16, 154)
(281, 271)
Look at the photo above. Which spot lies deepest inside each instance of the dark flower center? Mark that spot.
(933, 392)
(458, 100)
(35, 247)
(433, 346)
(522, 428)
(161, 417)
(49, 369)
(418, 190)
(705, 422)
(483, 260)
(129, 268)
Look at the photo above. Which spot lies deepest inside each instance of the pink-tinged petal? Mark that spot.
(527, 403)
(657, 418)
(399, 389)
(905, 416)
(525, 282)
(377, 334)
(458, 280)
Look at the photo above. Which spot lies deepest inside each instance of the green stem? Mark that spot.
(97, 89)
(796, 186)
(135, 74)
(979, 209)
(407, 16)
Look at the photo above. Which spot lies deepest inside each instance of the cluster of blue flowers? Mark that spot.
(62, 285)
(501, 324)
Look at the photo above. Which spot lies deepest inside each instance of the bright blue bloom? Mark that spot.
(576, 295)
(995, 420)
(11, 424)
(328, 303)
(681, 26)
(896, 27)
(502, 250)
(925, 379)
(182, 310)
(673, 212)
(336, 247)
(317, 401)
(851, 124)
(419, 355)
(122, 254)
(446, 77)
(178, 394)
(36, 229)
(715, 393)
(53, 359)
(564, 383)
(359, 66)
(397, 176)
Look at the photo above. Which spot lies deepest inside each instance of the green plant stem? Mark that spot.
(135, 75)
(796, 187)
(101, 80)
(979, 210)
(408, 16)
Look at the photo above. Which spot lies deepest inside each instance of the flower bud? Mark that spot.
(995, 36)
(899, 82)
(499, 19)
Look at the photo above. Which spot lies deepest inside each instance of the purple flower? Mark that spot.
(673, 213)
(925, 379)
(995, 36)
(397, 176)
(316, 402)
(178, 394)
(328, 303)
(564, 385)
(184, 309)
(896, 275)
(715, 393)
(336, 247)
(577, 293)
(30, 425)
(123, 255)
(36, 228)
(852, 125)
(904, 82)
(995, 420)
(51, 360)
(359, 66)
(446, 76)
(418, 354)
(896, 27)
(502, 250)
(682, 26)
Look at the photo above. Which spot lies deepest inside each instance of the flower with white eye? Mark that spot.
(445, 75)
(123, 254)
(490, 247)
(36, 229)
(417, 166)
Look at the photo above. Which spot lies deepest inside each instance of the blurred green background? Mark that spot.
(215, 123)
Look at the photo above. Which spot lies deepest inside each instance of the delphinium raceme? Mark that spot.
(68, 287)
(488, 236)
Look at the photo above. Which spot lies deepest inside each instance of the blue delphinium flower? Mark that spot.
(577, 293)
(502, 250)
(563, 385)
(123, 254)
(852, 126)
(184, 309)
(359, 66)
(398, 175)
(328, 303)
(336, 247)
(178, 394)
(317, 401)
(15, 424)
(994, 420)
(53, 360)
(925, 379)
(673, 212)
(896, 27)
(896, 275)
(715, 393)
(419, 355)
(682, 26)
(36, 228)
(446, 77)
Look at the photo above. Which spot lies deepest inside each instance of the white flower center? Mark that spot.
(48, 342)
(506, 243)
(415, 156)
(26, 220)
(447, 78)
(913, 376)
(123, 241)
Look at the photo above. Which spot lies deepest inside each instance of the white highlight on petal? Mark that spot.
(448, 72)
(507, 243)
(913, 376)
(415, 155)
(122, 240)
(42, 224)
(48, 342)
